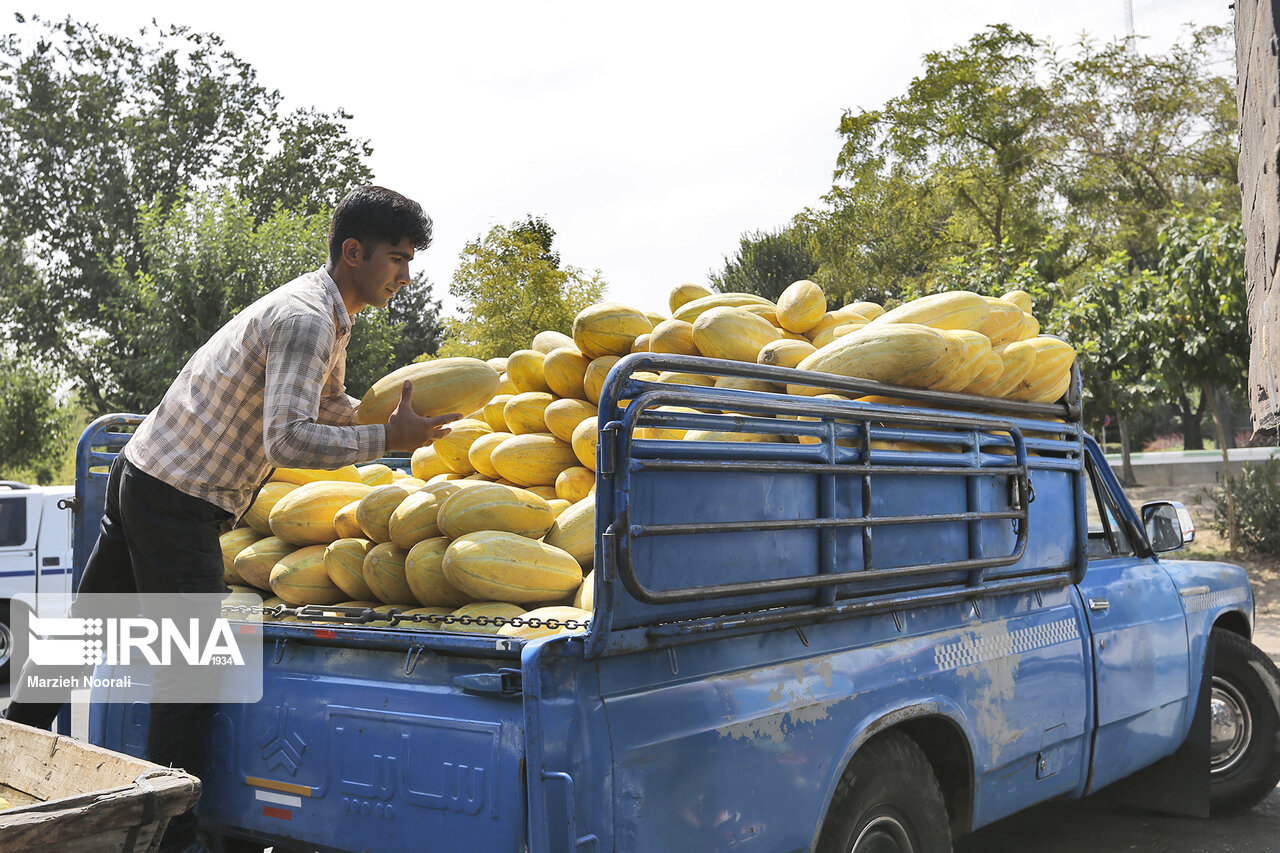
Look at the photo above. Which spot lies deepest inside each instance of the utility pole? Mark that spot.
(1128, 18)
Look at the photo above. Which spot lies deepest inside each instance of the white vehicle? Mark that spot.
(35, 548)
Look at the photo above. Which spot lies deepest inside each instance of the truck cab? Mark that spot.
(35, 548)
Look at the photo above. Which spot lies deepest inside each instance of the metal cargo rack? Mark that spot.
(852, 473)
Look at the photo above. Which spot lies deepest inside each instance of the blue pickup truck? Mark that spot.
(885, 619)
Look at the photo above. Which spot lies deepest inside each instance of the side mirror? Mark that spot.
(1169, 525)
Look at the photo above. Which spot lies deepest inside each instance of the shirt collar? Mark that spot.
(341, 318)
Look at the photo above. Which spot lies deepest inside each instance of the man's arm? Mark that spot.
(297, 362)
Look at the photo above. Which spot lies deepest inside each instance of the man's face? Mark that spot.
(382, 270)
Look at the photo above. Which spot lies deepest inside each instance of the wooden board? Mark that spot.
(73, 797)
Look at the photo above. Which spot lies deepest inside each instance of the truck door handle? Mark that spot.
(1097, 604)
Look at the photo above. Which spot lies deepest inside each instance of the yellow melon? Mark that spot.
(498, 363)
(305, 515)
(585, 438)
(440, 386)
(532, 459)
(301, 578)
(523, 413)
(673, 336)
(493, 565)
(1019, 298)
(546, 342)
(494, 507)
(480, 451)
(839, 317)
(565, 370)
(384, 573)
(574, 484)
(525, 370)
(597, 372)
(957, 309)
(641, 344)
(373, 512)
(785, 352)
(801, 306)
(690, 311)
(683, 294)
(426, 463)
(574, 531)
(344, 561)
(585, 598)
(562, 416)
(567, 620)
(608, 329)
(375, 474)
(424, 572)
(483, 617)
(254, 563)
(898, 353)
(232, 543)
(493, 412)
(345, 523)
(416, 516)
(731, 333)
(453, 447)
(259, 511)
(302, 476)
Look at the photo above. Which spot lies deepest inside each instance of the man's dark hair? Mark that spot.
(377, 215)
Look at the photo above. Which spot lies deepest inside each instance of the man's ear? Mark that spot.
(352, 252)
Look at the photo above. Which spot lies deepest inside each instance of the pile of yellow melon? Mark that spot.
(497, 520)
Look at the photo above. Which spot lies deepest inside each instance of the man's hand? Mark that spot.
(407, 430)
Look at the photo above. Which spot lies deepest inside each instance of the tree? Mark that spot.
(956, 162)
(511, 287)
(206, 259)
(1139, 133)
(96, 129)
(34, 424)
(1199, 330)
(766, 263)
(1103, 319)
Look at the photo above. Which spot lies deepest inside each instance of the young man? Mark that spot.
(265, 391)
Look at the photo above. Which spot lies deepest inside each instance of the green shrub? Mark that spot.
(1257, 498)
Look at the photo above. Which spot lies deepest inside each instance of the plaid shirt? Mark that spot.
(266, 390)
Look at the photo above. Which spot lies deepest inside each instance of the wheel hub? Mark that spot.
(884, 834)
(1230, 726)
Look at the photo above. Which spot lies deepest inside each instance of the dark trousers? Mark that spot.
(153, 539)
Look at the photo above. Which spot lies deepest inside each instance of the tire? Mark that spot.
(888, 801)
(1244, 725)
(6, 638)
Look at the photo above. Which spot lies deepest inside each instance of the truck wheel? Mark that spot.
(887, 802)
(1244, 725)
(6, 638)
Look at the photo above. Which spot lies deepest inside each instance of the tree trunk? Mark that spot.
(1192, 437)
(1127, 477)
(1222, 400)
(1207, 391)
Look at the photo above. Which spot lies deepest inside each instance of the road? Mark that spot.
(1093, 826)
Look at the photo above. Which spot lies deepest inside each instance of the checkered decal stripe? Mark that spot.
(1217, 598)
(981, 648)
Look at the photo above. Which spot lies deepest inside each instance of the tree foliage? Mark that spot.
(510, 286)
(766, 263)
(34, 423)
(1005, 147)
(98, 131)
(207, 258)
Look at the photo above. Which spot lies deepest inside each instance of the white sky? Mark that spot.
(650, 135)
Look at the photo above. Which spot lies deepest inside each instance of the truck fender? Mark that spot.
(940, 728)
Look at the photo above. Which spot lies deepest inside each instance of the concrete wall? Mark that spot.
(1190, 467)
